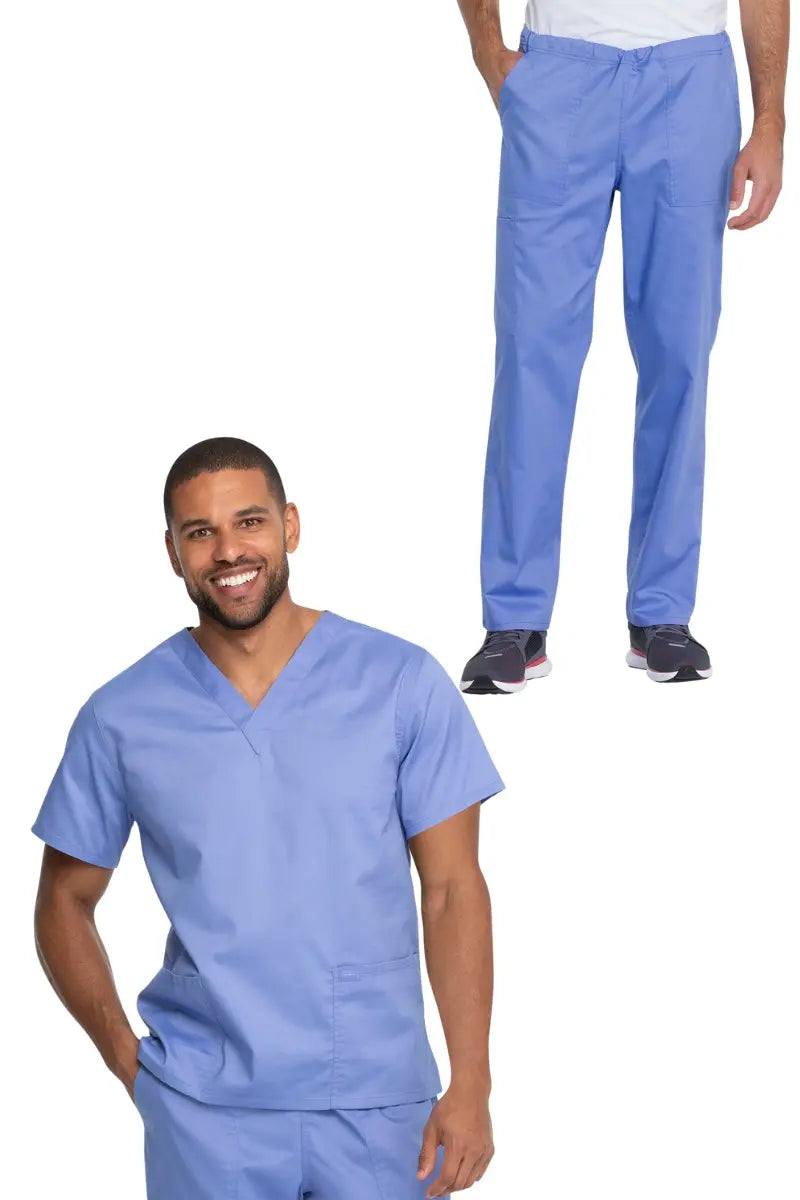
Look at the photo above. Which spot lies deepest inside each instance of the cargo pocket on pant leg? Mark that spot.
(381, 1049)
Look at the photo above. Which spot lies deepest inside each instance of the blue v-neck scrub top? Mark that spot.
(276, 840)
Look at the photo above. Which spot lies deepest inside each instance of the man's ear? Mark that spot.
(291, 528)
(173, 557)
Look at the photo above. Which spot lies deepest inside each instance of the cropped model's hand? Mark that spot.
(495, 68)
(760, 160)
(460, 1123)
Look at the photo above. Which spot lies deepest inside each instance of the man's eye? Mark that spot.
(252, 521)
(196, 533)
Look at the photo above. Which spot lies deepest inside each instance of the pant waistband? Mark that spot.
(711, 43)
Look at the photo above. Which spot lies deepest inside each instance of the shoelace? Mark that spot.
(502, 639)
(657, 630)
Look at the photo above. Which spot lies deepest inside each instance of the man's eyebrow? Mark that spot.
(193, 521)
(251, 511)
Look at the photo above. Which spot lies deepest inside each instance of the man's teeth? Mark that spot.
(236, 580)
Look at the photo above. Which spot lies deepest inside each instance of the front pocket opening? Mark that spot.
(355, 971)
(518, 63)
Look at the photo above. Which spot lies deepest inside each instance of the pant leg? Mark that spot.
(682, 132)
(366, 1154)
(197, 1151)
(560, 114)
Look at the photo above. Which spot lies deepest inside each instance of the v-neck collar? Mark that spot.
(220, 688)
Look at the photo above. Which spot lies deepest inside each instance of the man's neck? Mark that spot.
(252, 659)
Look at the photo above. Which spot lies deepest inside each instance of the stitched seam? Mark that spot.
(303, 1156)
(591, 58)
(618, 165)
(358, 1127)
(574, 115)
(374, 1167)
(112, 757)
(224, 711)
(233, 1182)
(683, 57)
(609, 62)
(733, 86)
(388, 1098)
(510, 228)
(335, 1048)
(384, 967)
(733, 81)
(399, 728)
(667, 119)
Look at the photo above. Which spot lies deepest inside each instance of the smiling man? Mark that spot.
(280, 763)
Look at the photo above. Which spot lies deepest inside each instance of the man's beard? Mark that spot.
(277, 579)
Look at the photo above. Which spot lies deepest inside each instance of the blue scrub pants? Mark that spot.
(580, 120)
(197, 1151)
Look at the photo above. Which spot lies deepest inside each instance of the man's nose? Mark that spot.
(229, 547)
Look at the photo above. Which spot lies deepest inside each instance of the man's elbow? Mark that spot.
(440, 896)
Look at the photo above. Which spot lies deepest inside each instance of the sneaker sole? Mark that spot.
(637, 660)
(484, 686)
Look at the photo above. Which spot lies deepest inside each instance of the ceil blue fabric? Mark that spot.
(276, 838)
(196, 1151)
(581, 120)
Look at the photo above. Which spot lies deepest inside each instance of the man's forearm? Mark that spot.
(75, 961)
(482, 19)
(492, 57)
(456, 922)
(765, 29)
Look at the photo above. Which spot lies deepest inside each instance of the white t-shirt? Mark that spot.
(627, 23)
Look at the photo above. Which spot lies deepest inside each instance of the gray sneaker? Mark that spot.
(668, 653)
(506, 661)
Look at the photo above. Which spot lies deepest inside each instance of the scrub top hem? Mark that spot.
(445, 811)
(284, 1101)
(68, 847)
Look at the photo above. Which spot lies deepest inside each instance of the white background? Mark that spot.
(277, 222)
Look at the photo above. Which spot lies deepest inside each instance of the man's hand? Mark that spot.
(460, 1122)
(495, 68)
(760, 160)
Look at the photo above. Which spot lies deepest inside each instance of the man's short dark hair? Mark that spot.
(221, 454)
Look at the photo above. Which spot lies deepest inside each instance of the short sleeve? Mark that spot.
(444, 765)
(84, 811)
